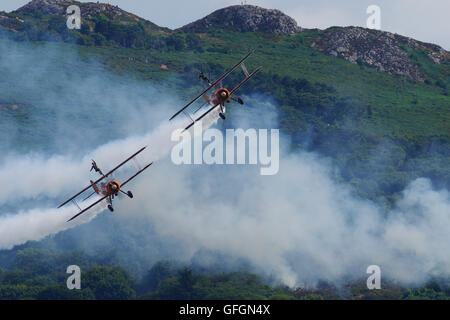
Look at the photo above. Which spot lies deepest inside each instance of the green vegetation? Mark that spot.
(36, 273)
(39, 274)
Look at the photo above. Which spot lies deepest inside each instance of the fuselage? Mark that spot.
(221, 96)
(111, 187)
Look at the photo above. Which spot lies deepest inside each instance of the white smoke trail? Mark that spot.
(32, 176)
(36, 224)
(299, 225)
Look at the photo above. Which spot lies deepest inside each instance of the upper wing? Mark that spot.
(213, 84)
(132, 177)
(245, 80)
(98, 180)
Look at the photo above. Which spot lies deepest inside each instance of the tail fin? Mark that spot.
(95, 188)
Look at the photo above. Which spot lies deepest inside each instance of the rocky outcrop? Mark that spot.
(45, 7)
(383, 50)
(89, 10)
(245, 18)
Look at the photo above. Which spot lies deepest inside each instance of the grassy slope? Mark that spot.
(391, 98)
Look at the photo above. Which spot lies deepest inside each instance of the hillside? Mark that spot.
(385, 51)
(374, 104)
(245, 18)
(348, 93)
(89, 11)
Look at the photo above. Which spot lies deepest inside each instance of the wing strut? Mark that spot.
(86, 209)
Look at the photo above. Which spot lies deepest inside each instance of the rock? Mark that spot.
(245, 18)
(89, 10)
(44, 7)
(382, 50)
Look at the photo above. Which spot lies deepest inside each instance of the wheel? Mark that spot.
(240, 101)
(110, 208)
(130, 194)
(222, 115)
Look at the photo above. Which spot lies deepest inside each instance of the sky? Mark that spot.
(422, 20)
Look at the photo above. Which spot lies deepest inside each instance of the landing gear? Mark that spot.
(128, 193)
(239, 100)
(222, 115)
(110, 208)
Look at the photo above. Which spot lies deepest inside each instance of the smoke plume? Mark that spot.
(297, 226)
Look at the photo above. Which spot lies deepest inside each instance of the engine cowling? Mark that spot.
(223, 95)
(113, 187)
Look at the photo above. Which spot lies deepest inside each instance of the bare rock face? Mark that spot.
(246, 18)
(45, 7)
(382, 50)
(89, 10)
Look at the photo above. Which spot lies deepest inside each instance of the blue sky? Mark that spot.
(423, 20)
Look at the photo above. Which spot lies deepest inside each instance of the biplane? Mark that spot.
(220, 96)
(106, 186)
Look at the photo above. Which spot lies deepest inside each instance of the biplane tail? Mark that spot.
(94, 186)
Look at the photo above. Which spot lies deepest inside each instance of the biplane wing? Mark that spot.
(232, 91)
(104, 197)
(102, 177)
(245, 80)
(134, 175)
(201, 117)
(226, 74)
(87, 208)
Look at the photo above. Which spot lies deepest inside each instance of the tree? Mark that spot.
(179, 287)
(176, 42)
(57, 23)
(109, 283)
(60, 292)
(85, 29)
(192, 41)
(425, 294)
(34, 260)
(16, 277)
(16, 292)
(158, 273)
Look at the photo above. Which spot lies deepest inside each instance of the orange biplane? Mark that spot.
(106, 186)
(218, 98)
